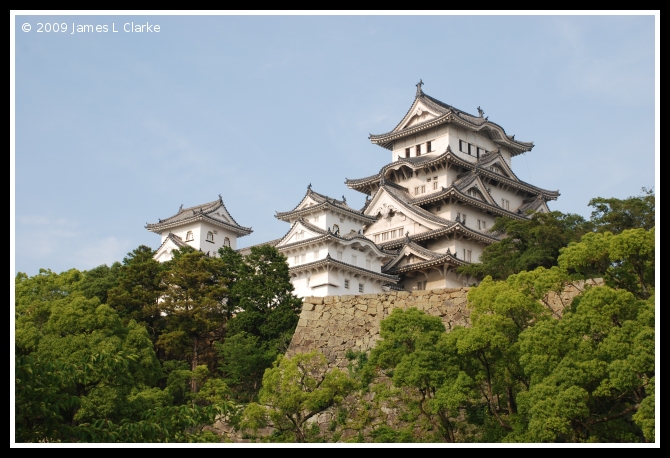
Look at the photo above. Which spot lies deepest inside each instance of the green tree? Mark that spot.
(194, 307)
(625, 261)
(98, 281)
(294, 390)
(244, 358)
(138, 290)
(591, 372)
(617, 215)
(414, 353)
(266, 314)
(34, 297)
(528, 244)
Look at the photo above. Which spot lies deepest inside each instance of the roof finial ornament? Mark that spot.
(181, 206)
(419, 91)
(309, 186)
(344, 199)
(220, 198)
(481, 112)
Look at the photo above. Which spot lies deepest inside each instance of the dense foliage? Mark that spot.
(135, 352)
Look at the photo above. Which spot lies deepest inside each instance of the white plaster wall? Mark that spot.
(515, 200)
(200, 229)
(346, 224)
(473, 214)
(437, 136)
(317, 285)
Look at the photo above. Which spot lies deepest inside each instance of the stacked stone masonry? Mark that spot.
(335, 324)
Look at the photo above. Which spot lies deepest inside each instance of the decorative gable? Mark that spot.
(298, 233)
(418, 113)
(477, 190)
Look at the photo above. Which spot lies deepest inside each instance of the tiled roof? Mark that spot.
(327, 235)
(531, 204)
(328, 261)
(487, 237)
(404, 199)
(322, 201)
(446, 113)
(174, 239)
(449, 156)
(433, 259)
(200, 212)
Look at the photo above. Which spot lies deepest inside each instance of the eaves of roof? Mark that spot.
(444, 259)
(160, 227)
(328, 261)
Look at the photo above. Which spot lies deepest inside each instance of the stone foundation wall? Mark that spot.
(335, 324)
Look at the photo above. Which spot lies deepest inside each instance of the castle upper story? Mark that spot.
(430, 126)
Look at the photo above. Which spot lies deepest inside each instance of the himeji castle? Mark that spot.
(426, 213)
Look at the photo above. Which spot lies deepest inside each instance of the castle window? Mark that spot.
(416, 191)
(418, 150)
(505, 204)
(360, 287)
(346, 284)
(296, 259)
(478, 152)
(316, 219)
(226, 242)
(468, 255)
(410, 174)
(210, 237)
(479, 224)
(428, 180)
(189, 236)
(463, 219)
(423, 188)
(483, 224)
(421, 285)
(460, 146)
(336, 228)
(376, 238)
(469, 149)
(406, 152)
(439, 208)
(428, 147)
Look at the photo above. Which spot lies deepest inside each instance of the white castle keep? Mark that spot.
(426, 213)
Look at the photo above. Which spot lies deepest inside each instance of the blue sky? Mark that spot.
(114, 130)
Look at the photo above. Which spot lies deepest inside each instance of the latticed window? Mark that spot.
(346, 284)
(189, 236)
(210, 237)
(226, 242)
